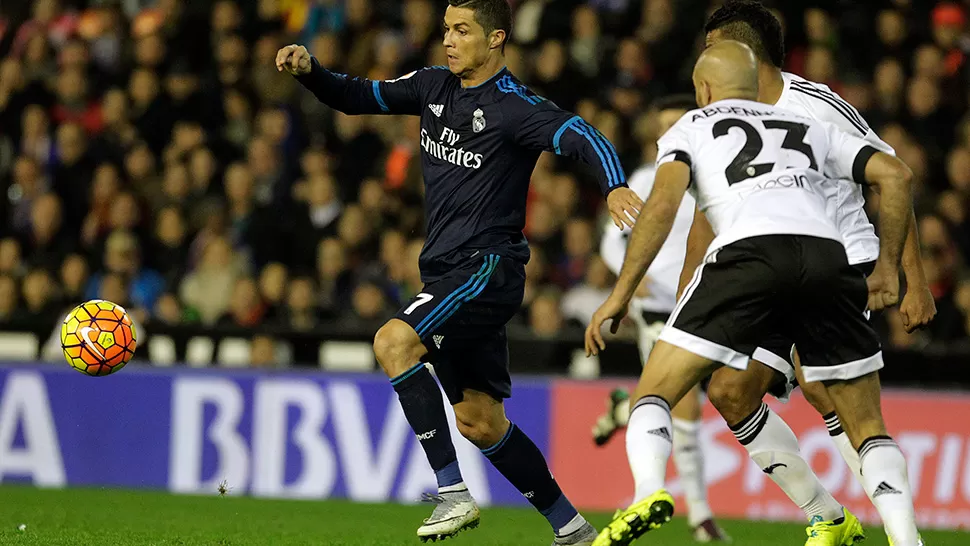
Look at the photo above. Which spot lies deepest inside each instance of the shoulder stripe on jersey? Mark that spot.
(840, 106)
(506, 85)
(851, 110)
(377, 95)
(847, 108)
(859, 163)
(562, 129)
(605, 150)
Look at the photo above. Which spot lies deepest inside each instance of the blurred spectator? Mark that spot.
(941, 262)
(38, 295)
(74, 278)
(10, 258)
(208, 288)
(169, 246)
(47, 241)
(9, 299)
(245, 308)
(333, 275)
(122, 257)
(300, 312)
(272, 288)
(545, 318)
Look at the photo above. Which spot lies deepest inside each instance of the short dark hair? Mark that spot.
(491, 14)
(750, 23)
(680, 101)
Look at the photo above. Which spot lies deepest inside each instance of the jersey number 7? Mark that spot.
(741, 168)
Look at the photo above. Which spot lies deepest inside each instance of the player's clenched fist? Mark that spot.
(295, 59)
(883, 287)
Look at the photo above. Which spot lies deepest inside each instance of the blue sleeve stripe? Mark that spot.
(377, 95)
(562, 129)
(601, 151)
(611, 152)
(610, 175)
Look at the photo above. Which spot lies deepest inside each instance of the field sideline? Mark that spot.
(96, 517)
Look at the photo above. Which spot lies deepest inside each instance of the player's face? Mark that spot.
(465, 41)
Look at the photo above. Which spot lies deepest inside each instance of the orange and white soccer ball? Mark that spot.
(97, 337)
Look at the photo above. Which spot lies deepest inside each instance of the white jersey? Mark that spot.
(664, 273)
(817, 101)
(760, 170)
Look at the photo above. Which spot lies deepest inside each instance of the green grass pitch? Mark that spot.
(91, 517)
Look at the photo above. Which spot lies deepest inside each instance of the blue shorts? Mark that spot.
(461, 320)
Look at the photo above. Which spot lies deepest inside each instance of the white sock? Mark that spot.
(648, 444)
(574, 525)
(460, 486)
(887, 484)
(774, 447)
(689, 460)
(842, 442)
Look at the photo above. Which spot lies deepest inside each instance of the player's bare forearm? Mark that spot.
(894, 180)
(698, 240)
(912, 261)
(648, 236)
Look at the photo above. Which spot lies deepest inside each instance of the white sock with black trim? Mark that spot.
(886, 481)
(648, 444)
(773, 446)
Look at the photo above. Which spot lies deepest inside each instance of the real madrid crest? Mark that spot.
(478, 120)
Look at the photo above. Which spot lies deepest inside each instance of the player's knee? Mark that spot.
(733, 396)
(479, 425)
(397, 348)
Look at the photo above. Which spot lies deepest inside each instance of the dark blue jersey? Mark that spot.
(479, 148)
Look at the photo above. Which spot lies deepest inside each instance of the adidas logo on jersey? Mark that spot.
(885, 489)
(663, 432)
(437, 109)
(437, 340)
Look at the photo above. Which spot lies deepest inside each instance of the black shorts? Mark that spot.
(771, 289)
(776, 351)
(461, 320)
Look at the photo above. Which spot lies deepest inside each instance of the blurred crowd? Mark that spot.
(151, 154)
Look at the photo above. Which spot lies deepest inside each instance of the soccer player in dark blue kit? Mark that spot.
(481, 134)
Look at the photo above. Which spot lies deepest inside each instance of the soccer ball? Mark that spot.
(97, 337)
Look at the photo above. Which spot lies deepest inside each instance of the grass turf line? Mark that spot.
(96, 517)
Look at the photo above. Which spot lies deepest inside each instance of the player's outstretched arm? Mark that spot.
(893, 180)
(645, 243)
(547, 127)
(346, 94)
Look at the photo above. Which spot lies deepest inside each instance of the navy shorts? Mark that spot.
(461, 320)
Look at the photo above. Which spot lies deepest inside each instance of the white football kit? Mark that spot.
(766, 179)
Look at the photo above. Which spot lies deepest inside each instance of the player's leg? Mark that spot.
(401, 347)
(819, 398)
(770, 442)
(689, 461)
(481, 419)
(839, 347)
(670, 373)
